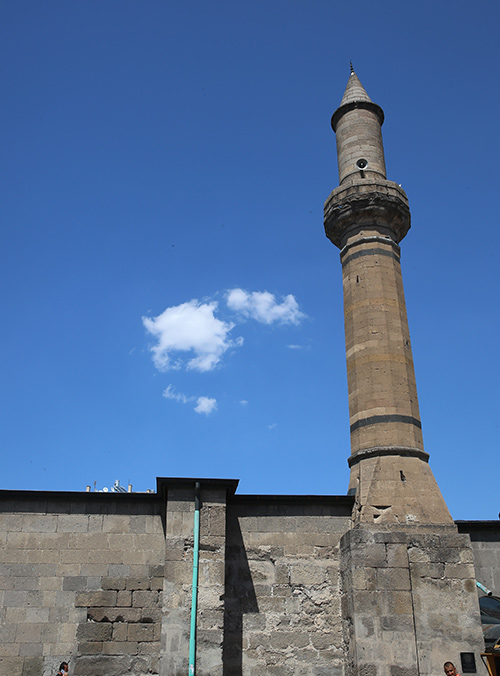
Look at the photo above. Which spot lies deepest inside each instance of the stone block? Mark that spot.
(90, 648)
(67, 633)
(14, 615)
(283, 640)
(96, 598)
(11, 522)
(210, 597)
(72, 523)
(148, 648)
(398, 602)
(322, 640)
(102, 665)
(432, 570)
(143, 632)
(397, 624)
(74, 583)
(94, 570)
(95, 523)
(268, 604)
(211, 619)
(120, 631)
(116, 523)
(467, 556)
(393, 579)
(37, 615)
(114, 583)
(7, 583)
(281, 573)
(39, 523)
(9, 650)
(397, 555)
(124, 598)
(144, 599)
(26, 583)
(50, 633)
(138, 524)
(156, 570)
(138, 583)
(136, 556)
(28, 632)
(32, 666)
(118, 570)
(7, 633)
(95, 631)
(281, 590)
(68, 569)
(31, 649)
(12, 666)
(15, 599)
(93, 583)
(104, 556)
(370, 555)
(217, 520)
(119, 648)
(459, 570)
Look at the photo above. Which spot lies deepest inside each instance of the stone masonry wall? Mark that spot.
(409, 601)
(80, 580)
(178, 580)
(485, 541)
(104, 582)
(282, 603)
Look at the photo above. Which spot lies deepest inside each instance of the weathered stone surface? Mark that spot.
(143, 632)
(96, 598)
(95, 631)
(114, 583)
(424, 612)
(268, 600)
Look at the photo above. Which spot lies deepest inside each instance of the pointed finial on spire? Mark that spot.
(352, 68)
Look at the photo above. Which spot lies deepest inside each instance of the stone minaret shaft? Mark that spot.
(366, 217)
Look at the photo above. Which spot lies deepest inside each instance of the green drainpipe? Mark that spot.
(194, 593)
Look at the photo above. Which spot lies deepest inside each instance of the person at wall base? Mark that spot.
(449, 669)
(63, 669)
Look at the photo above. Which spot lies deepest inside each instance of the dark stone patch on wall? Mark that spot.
(122, 630)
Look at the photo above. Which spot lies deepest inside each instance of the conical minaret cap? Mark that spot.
(354, 91)
(355, 96)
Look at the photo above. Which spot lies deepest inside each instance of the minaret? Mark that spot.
(366, 217)
(408, 590)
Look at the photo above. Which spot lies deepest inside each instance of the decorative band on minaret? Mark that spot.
(366, 217)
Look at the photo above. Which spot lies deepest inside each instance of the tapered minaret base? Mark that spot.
(393, 489)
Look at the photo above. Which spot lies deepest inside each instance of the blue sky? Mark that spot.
(171, 304)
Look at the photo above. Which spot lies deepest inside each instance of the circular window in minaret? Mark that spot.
(362, 163)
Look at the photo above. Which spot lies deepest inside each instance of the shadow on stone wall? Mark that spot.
(239, 597)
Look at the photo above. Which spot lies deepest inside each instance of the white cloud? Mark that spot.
(190, 327)
(169, 393)
(206, 405)
(244, 402)
(263, 307)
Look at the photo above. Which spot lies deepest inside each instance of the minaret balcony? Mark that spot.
(374, 206)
